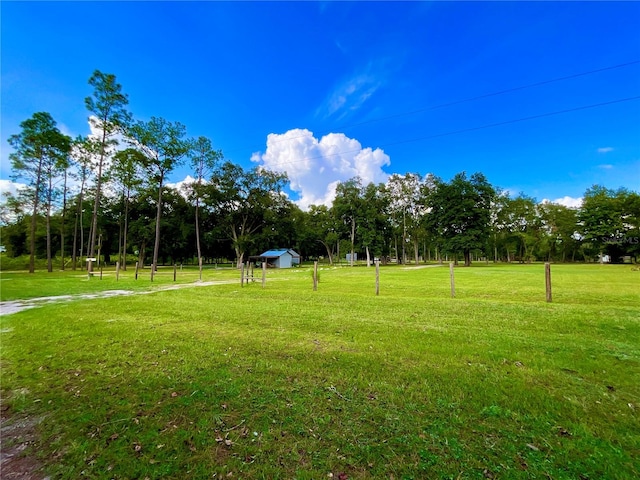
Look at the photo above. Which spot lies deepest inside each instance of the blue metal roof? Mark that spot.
(279, 252)
(274, 253)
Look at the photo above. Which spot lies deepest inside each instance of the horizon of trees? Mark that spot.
(122, 206)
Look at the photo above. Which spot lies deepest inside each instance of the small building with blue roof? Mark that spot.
(280, 258)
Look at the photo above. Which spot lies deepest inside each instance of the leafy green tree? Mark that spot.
(109, 116)
(83, 152)
(177, 227)
(374, 225)
(38, 148)
(609, 221)
(204, 159)
(54, 166)
(498, 224)
(322, 228)
(163, 146)
(65, 165)
(280, 226)
(125, 173)
(461, 213)
(561, 224)
(347, 206)
(523, 224)
(242, 201)
(407, 195)
(631, 208)
(141, 227)
(14, 225)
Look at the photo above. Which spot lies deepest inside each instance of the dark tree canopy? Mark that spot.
(461, 212)
(40, 150)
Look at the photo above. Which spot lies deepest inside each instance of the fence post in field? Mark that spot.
(547, 279)
(136, 270)
(175, 268)
(264, 273)
(315, 276)
(242, 275)
(453, 282)
(377, 277)
(117, 271)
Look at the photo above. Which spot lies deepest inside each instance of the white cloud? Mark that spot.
(96, 133)
(605, 149)
(567, 201)
(349, 95)
(7, 186)
(182, 185)
(315, 167)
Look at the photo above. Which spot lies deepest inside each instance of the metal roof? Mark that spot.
(278, 253)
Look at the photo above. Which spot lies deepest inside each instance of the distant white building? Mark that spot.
(280, 258)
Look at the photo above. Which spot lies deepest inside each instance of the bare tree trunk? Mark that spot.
(368, 256)
(75, 243)
(353, 238)
(81, 236)
(88, 245)
(48, 225)
(326, 246)
(198, 237)
(156, 246)
(99, 248)
(395, 238)
(94, 219)
(64, 211)
(141, 254)
(120, 234)
(32, 239)
(34, 220)
(126, 231)
(404, 237)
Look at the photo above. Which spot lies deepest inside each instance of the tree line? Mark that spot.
(120, 208)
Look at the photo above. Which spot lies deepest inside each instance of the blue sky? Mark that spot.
(326, 90)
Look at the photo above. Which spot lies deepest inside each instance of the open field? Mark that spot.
(284, 382)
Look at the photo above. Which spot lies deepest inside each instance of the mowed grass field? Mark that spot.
(285, 382)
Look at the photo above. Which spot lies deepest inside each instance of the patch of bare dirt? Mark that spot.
(18, 442)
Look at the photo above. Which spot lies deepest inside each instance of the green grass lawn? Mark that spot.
(284, 382)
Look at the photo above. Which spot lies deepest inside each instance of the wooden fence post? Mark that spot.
(377, 277)
(453, 282)
(136, 270)
(315, 276)
(175, 268)
(264, 273)
(117, 271)
(242, 275)
(547, 278)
